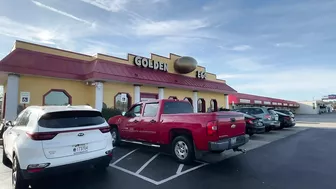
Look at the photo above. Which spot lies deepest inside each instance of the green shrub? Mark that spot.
(110, 112)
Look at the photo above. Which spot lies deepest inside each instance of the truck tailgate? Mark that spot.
(230, 124)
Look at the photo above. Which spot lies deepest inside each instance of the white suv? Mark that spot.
(53, 139)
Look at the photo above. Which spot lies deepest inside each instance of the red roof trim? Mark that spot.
(237, 96)
(23, 61)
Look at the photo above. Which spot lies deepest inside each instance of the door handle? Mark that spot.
(135, 121)
(233, 119)
(152, 121)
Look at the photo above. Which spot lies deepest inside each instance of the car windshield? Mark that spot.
(69, 119)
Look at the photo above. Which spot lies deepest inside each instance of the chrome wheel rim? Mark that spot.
(114, 136)
(181, 150)
(14, 173)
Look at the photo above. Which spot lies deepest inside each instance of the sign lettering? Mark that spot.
(200, 75)
(152, 64)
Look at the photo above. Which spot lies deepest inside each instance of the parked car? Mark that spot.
(254, 125)
(172, 123)
(285, 120)
(44, 140)
(269, 117)
(288, 112)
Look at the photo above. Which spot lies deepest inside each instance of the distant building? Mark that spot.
(312, 107)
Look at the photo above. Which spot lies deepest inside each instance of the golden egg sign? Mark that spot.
(185, 65)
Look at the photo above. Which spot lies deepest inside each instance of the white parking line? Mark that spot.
(145, 165)
(134, 174)
(180, 174)
(123, 157)
(179, 170)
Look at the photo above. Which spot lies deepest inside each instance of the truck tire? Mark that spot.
(115, 136)
(183, 149)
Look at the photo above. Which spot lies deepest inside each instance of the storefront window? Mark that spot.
(122, 101)
(56, 97)
(189, 100)
(201, 105)
(213, 105)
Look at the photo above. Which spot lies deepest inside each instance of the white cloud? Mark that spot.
(62, 13)
(288, 44)
(22, 31)
(109, 5)
(241, 48)
(169, 27)
(247, 64)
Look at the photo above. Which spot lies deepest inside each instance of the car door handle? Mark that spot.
(152, 121)
(135, 121)
(233, 119)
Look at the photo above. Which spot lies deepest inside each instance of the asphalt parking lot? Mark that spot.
(291, 158)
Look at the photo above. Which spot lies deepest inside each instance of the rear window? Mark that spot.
(177, 107)
(272, 112)
(69, 119)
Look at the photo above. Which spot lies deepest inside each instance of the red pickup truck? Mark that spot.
(172, 122)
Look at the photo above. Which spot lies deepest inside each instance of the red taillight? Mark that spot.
(250, 121)
(212, 128)
(42, 136)
(105, 129)
(268, 116)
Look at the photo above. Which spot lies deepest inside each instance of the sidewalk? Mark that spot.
(327, 120)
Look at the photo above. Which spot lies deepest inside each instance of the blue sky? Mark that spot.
(283, 49)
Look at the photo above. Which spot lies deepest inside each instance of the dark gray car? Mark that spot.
(268, 115)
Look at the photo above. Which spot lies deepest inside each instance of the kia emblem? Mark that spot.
(80, 134)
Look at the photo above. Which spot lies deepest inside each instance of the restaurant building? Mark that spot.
(38, 75)
(240, 99)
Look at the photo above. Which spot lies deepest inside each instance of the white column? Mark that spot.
(136, 93)
(195, 101)
(227, 105)
(161, 93)
(12, 97)
(99, 95)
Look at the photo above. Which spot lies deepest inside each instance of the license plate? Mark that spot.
(80, 148)
(233, 140)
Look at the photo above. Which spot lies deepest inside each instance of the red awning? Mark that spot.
(36, 63)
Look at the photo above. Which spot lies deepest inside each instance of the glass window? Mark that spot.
(135, 111)
(189, 100)
(23, 118)
(58, 98)
(213, 105)
(200, 105)
(178, 107)
(122, 101)
(151, 109)
(69, 119)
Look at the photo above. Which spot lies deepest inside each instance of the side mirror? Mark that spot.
(9, 123)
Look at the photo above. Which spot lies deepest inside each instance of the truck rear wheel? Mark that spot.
(183, 149)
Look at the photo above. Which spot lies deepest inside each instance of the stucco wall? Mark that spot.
(38, 86)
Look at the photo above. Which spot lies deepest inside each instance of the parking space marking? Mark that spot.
(145, 165)
(180, 174)
(123, 157)
(179, 169)
(134, 174)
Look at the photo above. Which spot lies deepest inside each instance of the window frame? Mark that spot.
(189, 99)
(57, 90)
(215, 104)
(129, 103)
(144, 109)
(141, 109)
(203, 110)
